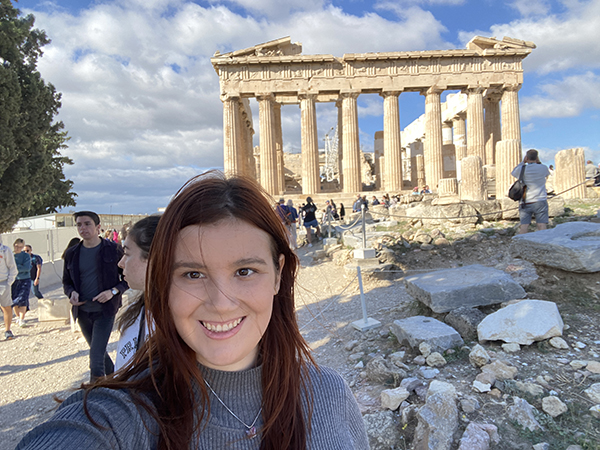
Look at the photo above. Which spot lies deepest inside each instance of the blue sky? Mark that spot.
(141, 99)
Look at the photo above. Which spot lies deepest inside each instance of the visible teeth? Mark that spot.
(221, 328)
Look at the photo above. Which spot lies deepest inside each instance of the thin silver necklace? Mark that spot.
(251, 429)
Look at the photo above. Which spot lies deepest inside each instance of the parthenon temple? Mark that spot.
(488, 73)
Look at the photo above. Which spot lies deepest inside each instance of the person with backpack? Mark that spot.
(310, 220)
(534, 202)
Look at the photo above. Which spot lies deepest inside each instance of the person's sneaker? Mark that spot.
(22, 324)
(8, 335)
(310, 245)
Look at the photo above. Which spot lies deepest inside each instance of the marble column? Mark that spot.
(491, 125)
(570, 171)
(509, 110)
(268, 157)
(392, 150)
(446, 133)
(448, 187)
(232, 164)
(434, 162)
(508, 155)
(475, 135)
(339, 135)
(472, 184)
(310, 144)
(351, 163)
(278, 147)
(460, 136)
(420, 165)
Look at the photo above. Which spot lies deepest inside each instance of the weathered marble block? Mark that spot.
(476, 285)
(572, 246)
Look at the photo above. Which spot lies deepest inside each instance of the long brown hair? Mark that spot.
(166, 368)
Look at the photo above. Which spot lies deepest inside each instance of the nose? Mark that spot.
(121, 264)
(220, 297)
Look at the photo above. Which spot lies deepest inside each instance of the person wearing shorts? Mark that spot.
(8, 274)
(310, 219)
(534, 202)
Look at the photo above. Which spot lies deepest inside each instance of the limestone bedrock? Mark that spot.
(573, 247)
(475, 285)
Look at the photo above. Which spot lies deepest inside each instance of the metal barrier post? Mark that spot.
(366, 323)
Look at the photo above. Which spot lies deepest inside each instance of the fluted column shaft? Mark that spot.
(310, 144)
(511, 119)
(351, 162)
(434, 162)
(570, 171)
(340, 148)
(491, 126)
(508, 155)
(392, 149)
(472, 182)
(278, 146)
(460, 136)
(268, 157)
(475, 133)
(231, 136)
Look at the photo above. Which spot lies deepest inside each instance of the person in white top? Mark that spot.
(8, 274)
(132, 322)
(534, 202)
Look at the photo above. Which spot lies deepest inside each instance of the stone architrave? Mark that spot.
(268, 157)
(232, 164)
(392, 149)
(310, 145)
(351, 158)
(491, 125)
(447, 187)
(420, 165)
(278, 147)
(434, 163)
(508, 156)
(475, 133)
(472, 185)
(570, 171)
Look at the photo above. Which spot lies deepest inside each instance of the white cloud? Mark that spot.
(566, 98)
(531, 7)
(564, 41)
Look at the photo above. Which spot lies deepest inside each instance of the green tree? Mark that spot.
(31, 166)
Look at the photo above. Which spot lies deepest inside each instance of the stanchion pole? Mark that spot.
(366, 323)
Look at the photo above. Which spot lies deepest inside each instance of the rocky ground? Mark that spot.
(47, 359)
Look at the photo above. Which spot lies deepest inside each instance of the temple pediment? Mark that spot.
(480, 44)
(278, 47)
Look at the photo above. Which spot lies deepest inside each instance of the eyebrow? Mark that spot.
(239, 262)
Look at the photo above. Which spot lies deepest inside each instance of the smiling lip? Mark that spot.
(222, 330)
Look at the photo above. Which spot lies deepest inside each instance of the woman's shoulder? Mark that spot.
(326, 380)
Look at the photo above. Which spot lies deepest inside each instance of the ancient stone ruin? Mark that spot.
(489, 72)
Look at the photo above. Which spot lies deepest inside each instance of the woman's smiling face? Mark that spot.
(221, 295)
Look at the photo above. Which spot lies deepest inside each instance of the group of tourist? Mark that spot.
(210, 355)
(20, 272)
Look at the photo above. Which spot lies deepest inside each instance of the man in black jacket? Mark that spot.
(95, 285)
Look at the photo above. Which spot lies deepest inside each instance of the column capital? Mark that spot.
(474, 90)
(511, 87)
(432, 90)
(230, 96)
(390, 93)
(492, 96)
(308, 95)
(460, 116)
(265, 96)
(347, 93)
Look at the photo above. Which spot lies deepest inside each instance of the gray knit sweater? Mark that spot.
(336, 419)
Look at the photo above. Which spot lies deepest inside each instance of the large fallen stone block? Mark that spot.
(418, 329)
(572, 246)
(476, 285)
(438, 418)
(522, 323)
